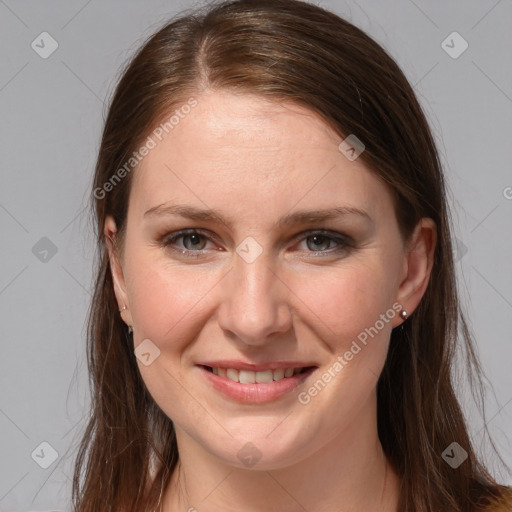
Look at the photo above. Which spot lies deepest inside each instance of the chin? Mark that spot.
(260, 451)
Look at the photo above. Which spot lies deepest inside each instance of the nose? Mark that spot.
(254, 302)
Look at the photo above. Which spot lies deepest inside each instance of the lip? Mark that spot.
(237, 364)
(256, 393)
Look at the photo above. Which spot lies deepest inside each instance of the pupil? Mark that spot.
(194, 238)
(318, 240)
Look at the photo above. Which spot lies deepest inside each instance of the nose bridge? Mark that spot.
(254, 304)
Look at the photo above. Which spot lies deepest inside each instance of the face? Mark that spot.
(299, 264)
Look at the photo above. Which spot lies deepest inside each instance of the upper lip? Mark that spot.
(242, 365)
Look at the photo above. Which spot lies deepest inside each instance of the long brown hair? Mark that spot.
(286, 50)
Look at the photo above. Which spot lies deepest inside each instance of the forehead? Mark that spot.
(249, 153)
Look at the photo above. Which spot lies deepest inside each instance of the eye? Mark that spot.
(321, 241)
(193, 242)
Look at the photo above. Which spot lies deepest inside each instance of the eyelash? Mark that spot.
(343, 240)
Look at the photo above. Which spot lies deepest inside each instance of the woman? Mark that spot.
(275, 312)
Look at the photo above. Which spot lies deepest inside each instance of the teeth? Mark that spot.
(232, 374)
(246, 377)
(278, 374)
(249, 377)
(265, 376)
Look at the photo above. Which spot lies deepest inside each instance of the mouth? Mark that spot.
(249, 386)
(260, 377)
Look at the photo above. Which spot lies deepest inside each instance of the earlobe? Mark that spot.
(419, 259)
(110, 232)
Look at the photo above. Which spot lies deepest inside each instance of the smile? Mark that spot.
(255, 386)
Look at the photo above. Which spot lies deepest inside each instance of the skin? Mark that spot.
(255, 161)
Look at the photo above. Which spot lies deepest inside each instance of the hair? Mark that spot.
(283, 50)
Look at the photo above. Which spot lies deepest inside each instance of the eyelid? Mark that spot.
(334, 235)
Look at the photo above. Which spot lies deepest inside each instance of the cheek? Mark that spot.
(166, 303)
(346, 301)
(163, 297)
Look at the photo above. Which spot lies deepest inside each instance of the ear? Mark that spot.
(116, 270)
(418, 262)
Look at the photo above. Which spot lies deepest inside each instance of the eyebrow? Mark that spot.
(299, 217)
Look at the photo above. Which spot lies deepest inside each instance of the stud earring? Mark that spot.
(130, 328)
(403, 314)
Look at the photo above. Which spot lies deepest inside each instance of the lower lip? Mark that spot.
(258, 392)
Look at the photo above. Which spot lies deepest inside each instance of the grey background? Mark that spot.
(51, 119)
